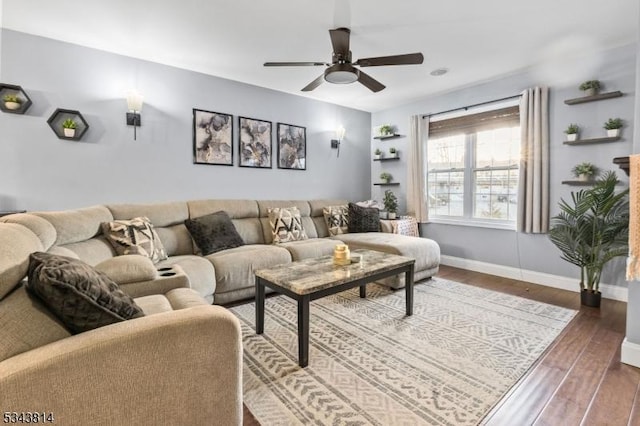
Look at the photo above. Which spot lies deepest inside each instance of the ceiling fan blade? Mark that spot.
(369, 82)
(408, 59)
(295, 64)
(315, 83)
(340, 41)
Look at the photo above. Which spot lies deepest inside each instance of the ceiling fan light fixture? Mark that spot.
(341, 74)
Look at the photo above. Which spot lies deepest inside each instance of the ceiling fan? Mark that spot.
(342, 71)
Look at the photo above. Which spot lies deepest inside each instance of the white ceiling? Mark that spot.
(475, 39)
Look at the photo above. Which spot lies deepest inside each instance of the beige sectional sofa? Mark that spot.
(182, 362)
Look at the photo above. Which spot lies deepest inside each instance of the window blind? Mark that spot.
(503, 117)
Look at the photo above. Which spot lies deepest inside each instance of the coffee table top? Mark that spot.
(312, 275)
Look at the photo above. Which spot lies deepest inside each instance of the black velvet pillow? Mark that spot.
(214, 232)
(81, 297)
(363, 219)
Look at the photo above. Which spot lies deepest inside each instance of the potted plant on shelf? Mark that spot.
(377, 154)
(69, 127)
(386, 130)
(613, 126)
(393, 152)
(585, 171)
(572, 132)
(12, 102)
(390, 203)
(591, 230)
(385, 177)
(590, 87)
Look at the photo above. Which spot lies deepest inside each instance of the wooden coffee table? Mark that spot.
(311, 279)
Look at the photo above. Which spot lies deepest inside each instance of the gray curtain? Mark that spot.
(416, 177)
(533, 195)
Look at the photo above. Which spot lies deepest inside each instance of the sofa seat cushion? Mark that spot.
(179, 298)
(153, 304)
(202, 277)
(128, 269)
(426, 252)
(81, 297)
(234, 267)
(315, 247)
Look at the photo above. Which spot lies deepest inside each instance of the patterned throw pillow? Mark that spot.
(135, 236)
(286, 225)
(81, 297)
(214, 232)
(337, 219)
(363, 219)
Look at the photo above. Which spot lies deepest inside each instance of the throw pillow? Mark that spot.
(214, 232)
(286, 225)
(135, 236)
(337, 219)
(81, 297)
(363, 219)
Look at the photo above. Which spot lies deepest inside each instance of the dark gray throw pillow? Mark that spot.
(363, 219)
(214, 232)
(81, 297)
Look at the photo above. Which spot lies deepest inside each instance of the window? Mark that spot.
(472, 168)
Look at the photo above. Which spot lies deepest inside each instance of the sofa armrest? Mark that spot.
(178, 367)
(168, 279)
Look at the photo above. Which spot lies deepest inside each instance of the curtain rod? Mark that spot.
(471, 106)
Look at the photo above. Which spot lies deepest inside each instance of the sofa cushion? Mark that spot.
(135, 236)
(81, 297)
(39, 226)
(286, 225)
(73, 226)
(234, 268)
(337, 219)
(314, 247)
(128, 269)
(16, 244)
(214, 232)
(363, 219)
(243, 214)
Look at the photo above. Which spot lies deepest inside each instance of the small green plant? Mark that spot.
(591, 84)
(572, 129)
(377, 152)
(69, 124)
(11, 98)
(613, 123)
(385, 177)
(586, 169)
(392, 150)
(390, 201)
(386, 129)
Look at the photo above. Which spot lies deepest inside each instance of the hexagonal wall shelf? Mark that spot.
(20, 107)
(59, 116)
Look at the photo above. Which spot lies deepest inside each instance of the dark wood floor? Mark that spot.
(579, 380)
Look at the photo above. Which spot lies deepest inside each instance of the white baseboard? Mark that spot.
(549, 280)
(630, 353)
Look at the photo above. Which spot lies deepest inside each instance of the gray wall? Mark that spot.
(40, 171)
(532, 252)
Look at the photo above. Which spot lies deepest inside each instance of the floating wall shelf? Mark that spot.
(10, 89)
(386, 159)
(593, 98)
(395, 135)
(593, 140)
(59, 115)
(579, 182)
(387, 184)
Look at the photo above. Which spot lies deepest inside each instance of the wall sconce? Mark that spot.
(134, 105)
(335, 143)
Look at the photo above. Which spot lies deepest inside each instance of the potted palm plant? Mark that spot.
(613, 126)
(585, 171)
(572, 132)
(590, 230)
(590, 87)
(69, 127)
(390, 202)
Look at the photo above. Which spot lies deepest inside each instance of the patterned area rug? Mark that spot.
(369, 364)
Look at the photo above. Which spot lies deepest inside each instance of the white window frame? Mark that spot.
(469, 170)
